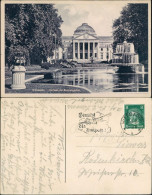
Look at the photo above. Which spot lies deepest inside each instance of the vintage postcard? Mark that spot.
(76, 48)
(76, 146)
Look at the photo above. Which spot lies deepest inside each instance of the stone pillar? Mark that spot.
(83, 50)
(18, 77)
(89, 50)
(73, 50)
(93, 50)
(78, 50)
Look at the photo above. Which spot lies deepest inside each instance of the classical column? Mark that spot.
(98, 55)
(93, 50)
(73, 50)
(78, 50)
(83, 50)
(89, 50)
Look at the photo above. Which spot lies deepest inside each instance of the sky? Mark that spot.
(99, 15)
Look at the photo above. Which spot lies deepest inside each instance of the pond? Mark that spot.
(98, 80)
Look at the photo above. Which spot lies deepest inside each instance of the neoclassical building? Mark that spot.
(85, 46)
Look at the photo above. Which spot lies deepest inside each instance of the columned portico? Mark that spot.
(93, 49)
(84, 50)
(85, 46)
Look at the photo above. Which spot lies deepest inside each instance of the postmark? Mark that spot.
(94, 123)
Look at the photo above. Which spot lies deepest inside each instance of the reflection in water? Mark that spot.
(102, 80)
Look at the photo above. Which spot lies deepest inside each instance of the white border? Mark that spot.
(108, 94)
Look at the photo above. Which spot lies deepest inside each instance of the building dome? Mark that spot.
(84, 28)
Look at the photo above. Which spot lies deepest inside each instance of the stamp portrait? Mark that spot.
(134, 116)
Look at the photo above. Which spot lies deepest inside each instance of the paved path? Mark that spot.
(48, 88)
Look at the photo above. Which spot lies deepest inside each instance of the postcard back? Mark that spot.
(76, 146)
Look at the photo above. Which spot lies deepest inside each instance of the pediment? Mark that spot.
(86, 36)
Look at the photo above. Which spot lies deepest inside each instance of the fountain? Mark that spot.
(125, 54)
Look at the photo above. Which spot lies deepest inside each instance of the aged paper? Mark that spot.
(96, 69)
(76, 146)
(82, 126)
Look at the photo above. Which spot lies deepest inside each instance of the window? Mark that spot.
(101, 49)
(95, 55)
(76, 55)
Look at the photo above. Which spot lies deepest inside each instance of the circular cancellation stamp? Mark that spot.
(133, 121)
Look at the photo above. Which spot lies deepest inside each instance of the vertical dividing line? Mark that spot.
(65, 145)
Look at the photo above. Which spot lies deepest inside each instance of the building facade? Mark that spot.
(86, 47)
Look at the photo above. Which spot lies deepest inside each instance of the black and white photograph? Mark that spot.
(81, 47)
(76, 102)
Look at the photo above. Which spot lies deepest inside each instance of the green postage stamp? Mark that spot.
(134, 116)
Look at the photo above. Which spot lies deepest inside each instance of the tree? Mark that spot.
(30, 28)
(132, 26)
